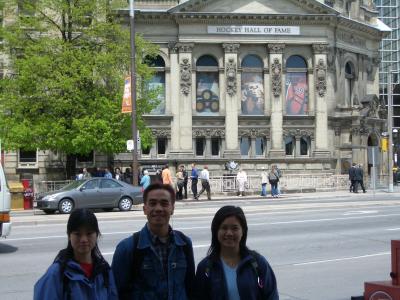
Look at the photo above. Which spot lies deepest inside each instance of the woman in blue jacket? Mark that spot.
(231, 271)
(78, 271)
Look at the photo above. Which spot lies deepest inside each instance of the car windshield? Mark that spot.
(72, 185)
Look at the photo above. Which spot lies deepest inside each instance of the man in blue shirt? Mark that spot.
(194, 177)
(157, 262)
(145, 180)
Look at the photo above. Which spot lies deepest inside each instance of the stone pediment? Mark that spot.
(291, 7)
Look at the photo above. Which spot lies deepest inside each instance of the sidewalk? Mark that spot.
(255, 196)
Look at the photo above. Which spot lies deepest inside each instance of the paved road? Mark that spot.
(321, 246)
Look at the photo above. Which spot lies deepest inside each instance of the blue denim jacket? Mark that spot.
(50, 285)
(210, 281)
(153, 284)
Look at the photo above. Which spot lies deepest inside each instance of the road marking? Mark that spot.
(393, 229)
(360, 212)
(341, 259)
(208, 227)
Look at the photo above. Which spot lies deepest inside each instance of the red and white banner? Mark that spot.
(126, 99)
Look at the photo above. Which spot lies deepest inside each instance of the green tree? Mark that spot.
(68, 60)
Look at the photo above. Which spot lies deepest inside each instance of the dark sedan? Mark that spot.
(91, 193)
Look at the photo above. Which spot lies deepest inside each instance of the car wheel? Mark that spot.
(108, 208)
(66, 206)
(125, 204)
(49, 211)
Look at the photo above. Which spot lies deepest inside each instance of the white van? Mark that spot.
(5, 205)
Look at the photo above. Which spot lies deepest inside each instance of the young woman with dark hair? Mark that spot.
(231, 271)
(78, 271)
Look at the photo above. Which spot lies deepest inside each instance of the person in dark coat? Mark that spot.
(231, 270)
(352, 175)
(360, 177)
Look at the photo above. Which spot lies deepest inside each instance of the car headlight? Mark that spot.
(49, 198)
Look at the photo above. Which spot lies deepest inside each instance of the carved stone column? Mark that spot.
(172, 106)
(321, 109)
(184, 105)
(276, 96)
(231, 101)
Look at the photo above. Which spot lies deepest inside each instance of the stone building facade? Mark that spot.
(290, 82)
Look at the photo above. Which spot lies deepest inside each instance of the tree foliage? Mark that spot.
(68, 60)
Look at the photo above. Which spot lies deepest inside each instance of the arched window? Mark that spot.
(296, 86)
(290, 143)
(349, 83)
(252, 86)
(305, 143)
(207, 86)
(157, 84)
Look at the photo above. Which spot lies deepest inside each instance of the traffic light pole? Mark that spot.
(390, 133)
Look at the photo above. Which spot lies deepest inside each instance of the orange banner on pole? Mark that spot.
(127, 99)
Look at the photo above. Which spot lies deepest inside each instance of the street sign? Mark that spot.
(130, 145)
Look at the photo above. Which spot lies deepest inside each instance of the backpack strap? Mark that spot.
(256, 268)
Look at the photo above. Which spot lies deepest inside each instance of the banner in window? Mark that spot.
(157, 83)
(296, 93)
(252, 94)
(207, 93)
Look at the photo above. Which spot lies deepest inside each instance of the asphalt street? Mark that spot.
(322, 246)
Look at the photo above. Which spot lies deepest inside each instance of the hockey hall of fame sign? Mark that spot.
(261, 30)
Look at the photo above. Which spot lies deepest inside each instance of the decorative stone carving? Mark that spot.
(231, 77)
(276, 74)
(369, 68)
(330, 57)
(173, 47)
(320, 78)
(276, 48)
(254, 132)
(186, 76)
(185, 47)
(298, 133)
(161, 132)
(208, 132)
(338, 130)
(320, 48)
(231, 47)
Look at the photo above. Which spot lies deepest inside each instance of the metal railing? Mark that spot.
(226, 184)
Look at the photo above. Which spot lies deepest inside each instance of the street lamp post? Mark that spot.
(133, 94)
(389, 129)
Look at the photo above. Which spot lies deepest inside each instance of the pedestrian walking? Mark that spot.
(352, 178)
(194, 178)
(264, 181)
(118, 175)
(107, 174)
(179, 183)
(279, 172)
(166, 175)
(231, 270)
(273, 179)
(145, 180)
(128, 178)
(205, 183)
(156, 262)
(360, 177)
(86, 174)
(79, 271)
(185, 181)
(241, 180)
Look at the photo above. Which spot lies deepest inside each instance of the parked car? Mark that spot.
(102, 193)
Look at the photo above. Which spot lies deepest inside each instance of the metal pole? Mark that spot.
(133, 95)
(389, 125)
(373, 180)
